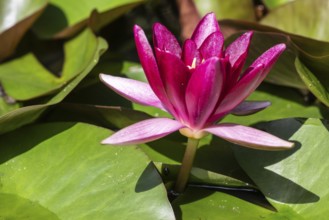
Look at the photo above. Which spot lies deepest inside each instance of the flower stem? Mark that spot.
(184, 173)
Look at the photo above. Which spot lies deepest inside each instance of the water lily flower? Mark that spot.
(198, 85)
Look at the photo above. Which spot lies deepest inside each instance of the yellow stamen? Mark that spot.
(193, 64)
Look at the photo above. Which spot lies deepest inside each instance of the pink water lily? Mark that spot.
(198, 85)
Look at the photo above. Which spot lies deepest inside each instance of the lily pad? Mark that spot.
(61, 171)
(63, 19)
(205, 204)
(15, 20)
(28, 114)
(25, 78)
(294, 181)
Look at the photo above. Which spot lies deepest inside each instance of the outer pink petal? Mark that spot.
(165, 40)
(269, 58)
(237, 51)
(239, 92)
(190, 52)
(249, 137)
(212, 45)
(206, 26)
(175, 76)
(150, 67)
(250, 107)
(203, 91)
(133, 90)
(144, 131)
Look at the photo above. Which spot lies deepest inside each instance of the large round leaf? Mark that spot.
(16, 17)
(65, 18)
(61, 171)
(294, 181)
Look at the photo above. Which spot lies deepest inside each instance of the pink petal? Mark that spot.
(133, 90)
(144, 131)
(206, 26)
(190, 52)
(269, 58)
(237, 51)
(203, 91)
(150, 67)
(165, 40)
(239, 92)
(175, 76)
(212, 46)
(250, 107)
(249, 137)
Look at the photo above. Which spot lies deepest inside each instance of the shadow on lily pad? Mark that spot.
(148, 180)
(11, 146)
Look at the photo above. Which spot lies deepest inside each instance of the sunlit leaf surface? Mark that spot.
(294, 181)
(61, 171)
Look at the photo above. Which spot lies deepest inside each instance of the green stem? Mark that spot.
(184, 173)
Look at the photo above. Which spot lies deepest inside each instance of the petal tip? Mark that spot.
(279, 48)
(107, 141)
(210, 15)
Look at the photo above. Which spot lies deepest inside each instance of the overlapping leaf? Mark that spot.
(15, 19)
(63, 19)
(75, 71)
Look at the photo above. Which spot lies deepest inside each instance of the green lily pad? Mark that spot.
(15, 19)
(25, 115)
(65, 173)
(63, 19)
(25, 78)
(206, 204)
(293, 181)
(169, 173)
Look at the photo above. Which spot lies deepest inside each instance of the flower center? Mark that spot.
(193, 65)
(188, 132)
